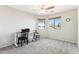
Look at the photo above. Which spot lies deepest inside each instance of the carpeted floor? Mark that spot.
(43, 46)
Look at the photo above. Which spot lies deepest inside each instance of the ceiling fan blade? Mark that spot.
(50, 7)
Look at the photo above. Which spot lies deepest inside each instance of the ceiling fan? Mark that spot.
(46, 8)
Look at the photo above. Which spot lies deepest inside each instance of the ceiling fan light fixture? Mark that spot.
(45, 9)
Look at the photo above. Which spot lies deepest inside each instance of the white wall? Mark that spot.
(78, 25)
(11, 21)
(68, 31)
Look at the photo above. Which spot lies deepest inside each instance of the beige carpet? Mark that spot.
(43, 46)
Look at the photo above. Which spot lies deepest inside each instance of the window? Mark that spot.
(55, 22)
(41, 23)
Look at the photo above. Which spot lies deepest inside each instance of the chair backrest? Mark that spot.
(25, 30)
(24, 34)
(36, 32)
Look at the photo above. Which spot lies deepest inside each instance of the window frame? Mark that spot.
(54, 18)
(43, 21)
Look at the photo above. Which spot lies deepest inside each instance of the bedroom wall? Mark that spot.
(68, 31)
(78, 26)
(11, 21)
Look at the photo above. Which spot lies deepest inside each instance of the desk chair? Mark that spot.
(36, 35)
(23, 38)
